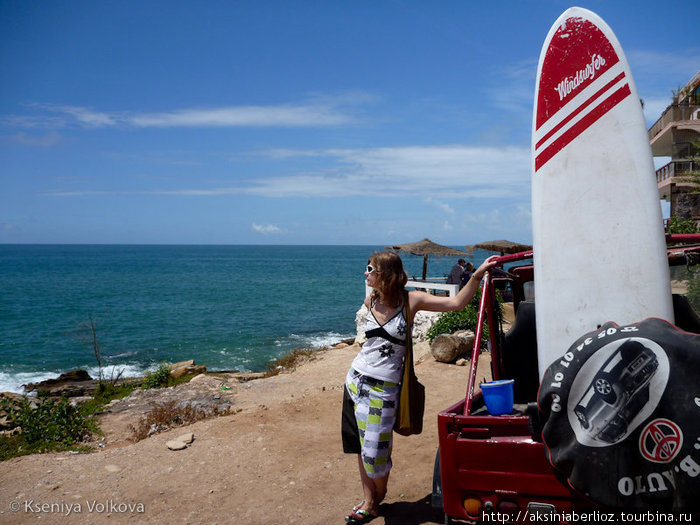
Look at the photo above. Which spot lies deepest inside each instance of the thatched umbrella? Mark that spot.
(425, 248)
(503, 247)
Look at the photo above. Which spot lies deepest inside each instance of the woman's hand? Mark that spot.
(434, 303)
(485, 266)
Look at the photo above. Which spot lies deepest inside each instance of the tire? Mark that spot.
(436, 498)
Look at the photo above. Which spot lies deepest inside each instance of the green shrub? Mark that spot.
(465, 319)
(58, 422)
(52, 425)
(450, 322)
(676, 225)
(693, 294)
(157, 379)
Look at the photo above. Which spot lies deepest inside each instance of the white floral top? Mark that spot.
(381, 357)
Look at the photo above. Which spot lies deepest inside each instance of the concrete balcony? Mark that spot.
(672, 174)
(680, 123)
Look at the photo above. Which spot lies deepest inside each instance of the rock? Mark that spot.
(422, 322)
(180, 364)
(244, 377)
(71, 384)
(447, 348)
(80, 400)
(182, 371)
(186, 438)
(461, 362)
(360, 321)
(176, 445)
(15, 401)
(180, 442)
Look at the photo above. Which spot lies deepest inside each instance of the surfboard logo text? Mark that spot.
(570, 84)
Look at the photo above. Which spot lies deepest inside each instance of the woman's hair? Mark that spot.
(391, 277)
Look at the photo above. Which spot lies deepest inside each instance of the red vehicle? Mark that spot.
(496, 465)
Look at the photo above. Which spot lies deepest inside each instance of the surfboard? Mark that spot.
(598, 237)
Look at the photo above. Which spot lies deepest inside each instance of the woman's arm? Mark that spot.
(434, 303)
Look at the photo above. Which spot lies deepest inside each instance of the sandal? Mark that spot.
(358, 506)
(359, 517)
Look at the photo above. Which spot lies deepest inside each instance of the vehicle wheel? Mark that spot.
(436, 499)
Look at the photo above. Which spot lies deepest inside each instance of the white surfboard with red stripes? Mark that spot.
(597, 228)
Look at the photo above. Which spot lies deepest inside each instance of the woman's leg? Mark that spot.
(373, 403)
(374, 489)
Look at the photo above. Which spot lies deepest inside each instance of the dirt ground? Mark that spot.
(276, 459)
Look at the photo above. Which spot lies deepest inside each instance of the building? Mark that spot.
(673, 136)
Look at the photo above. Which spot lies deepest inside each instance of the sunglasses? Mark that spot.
(371, 268)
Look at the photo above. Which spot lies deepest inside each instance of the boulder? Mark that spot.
(176, 445)
(70, 384)
(447, 348)
(183, 368)
(422, 322)
(181, 364)
(360, 321)
(180, 442)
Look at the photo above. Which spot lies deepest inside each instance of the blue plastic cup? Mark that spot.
(498, 396)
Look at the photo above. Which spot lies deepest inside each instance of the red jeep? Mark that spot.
(494, 468)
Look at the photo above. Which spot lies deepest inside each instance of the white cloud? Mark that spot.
(249, 116)
(432, 173)
(86, 117)
(319, 113)
(48, 140)
(668, 68)
(266, 229)
(512, 86)
(440, 205)
(654, 108)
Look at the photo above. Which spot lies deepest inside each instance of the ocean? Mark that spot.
(226, 307)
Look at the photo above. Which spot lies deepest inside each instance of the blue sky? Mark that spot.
(289, 122)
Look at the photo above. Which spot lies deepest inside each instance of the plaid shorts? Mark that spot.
(368, 430)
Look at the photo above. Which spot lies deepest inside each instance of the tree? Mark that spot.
(87, 333)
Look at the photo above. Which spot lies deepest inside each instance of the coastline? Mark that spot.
(276, 458)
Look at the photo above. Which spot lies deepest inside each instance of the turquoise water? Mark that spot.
(227, 307)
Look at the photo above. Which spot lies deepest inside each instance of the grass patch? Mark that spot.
(105, 393)
(169, 415)
(288, 361)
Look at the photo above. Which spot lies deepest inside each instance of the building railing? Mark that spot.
(430, 284)
(674, 113)
(676, 168)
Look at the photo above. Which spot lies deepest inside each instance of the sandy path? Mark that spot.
(277, 460)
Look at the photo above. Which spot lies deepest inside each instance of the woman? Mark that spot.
(372, 383)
